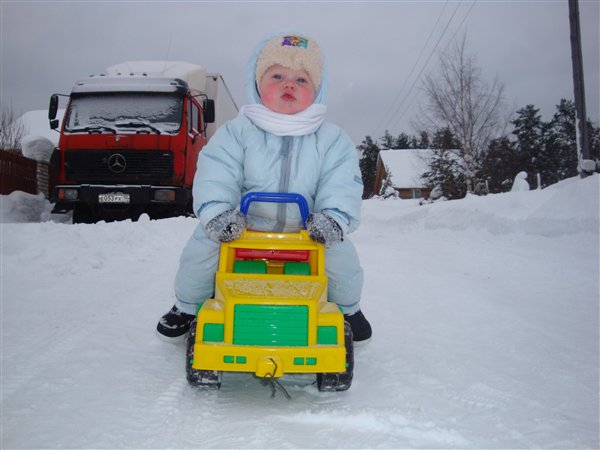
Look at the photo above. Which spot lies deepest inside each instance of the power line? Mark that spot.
(432, 52)
(426, 62)
(386, 117)
(437, 62)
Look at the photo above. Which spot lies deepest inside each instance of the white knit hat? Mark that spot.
(294, 52)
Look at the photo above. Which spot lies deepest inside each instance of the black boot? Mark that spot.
(361, 328)
(174, 324)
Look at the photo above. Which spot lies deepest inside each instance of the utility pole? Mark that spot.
(585, 166)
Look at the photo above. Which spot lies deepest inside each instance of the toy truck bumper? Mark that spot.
(269, 361)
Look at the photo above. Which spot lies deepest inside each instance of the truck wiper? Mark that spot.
(136, 124)
(92, 128)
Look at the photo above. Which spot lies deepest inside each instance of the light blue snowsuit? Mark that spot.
(240, 157)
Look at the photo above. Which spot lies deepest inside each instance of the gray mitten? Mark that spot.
(227, 226)
(323, 229)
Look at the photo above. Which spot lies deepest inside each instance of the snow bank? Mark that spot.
(19, 207)
(566, 208)
(486, 334)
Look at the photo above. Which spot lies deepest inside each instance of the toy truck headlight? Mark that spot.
(213, 332)
(327, 335)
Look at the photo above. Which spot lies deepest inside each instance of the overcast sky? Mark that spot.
(375, 51)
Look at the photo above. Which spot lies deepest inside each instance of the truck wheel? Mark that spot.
(340, 381)
(206, 379)
(189, 210)
(83, 214)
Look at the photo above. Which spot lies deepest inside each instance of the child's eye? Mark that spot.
(302, 80)
(277, 76)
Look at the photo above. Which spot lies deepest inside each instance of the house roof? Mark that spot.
(406, 166)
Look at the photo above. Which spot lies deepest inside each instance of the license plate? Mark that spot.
(113, 197)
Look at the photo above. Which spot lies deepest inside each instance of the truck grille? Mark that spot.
(121, 166)
(270, 325)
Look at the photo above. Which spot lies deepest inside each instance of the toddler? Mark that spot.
(278, 143)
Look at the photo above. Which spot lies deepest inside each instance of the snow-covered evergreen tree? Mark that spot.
(387, 186)
(446, 173)
(500, 164)
(387, 141)
(558, 158)
(404, 141)
(529, 131)
(369, 151)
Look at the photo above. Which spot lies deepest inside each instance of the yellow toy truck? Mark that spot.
(270, 315)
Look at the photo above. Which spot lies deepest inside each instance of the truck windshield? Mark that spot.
(133, 112)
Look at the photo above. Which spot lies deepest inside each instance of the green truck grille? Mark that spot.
(270, 325)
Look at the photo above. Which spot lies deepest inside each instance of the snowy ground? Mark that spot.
(485, 313)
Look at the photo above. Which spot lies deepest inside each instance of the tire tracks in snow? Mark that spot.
(22, 372)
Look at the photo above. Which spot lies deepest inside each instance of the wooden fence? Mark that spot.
(18, 173)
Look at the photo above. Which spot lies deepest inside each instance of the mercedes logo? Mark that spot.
(117, 163)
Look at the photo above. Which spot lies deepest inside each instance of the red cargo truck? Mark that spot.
(130, 138)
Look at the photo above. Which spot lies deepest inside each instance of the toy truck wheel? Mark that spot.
(340, 381)
(206, 379)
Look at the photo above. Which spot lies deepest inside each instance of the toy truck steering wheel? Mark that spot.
(276, 197)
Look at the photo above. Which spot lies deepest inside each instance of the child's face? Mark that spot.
(286, 91)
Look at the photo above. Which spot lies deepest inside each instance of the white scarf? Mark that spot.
(305, 122)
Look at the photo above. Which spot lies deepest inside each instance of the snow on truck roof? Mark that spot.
(158, 76)
(193, 74)
(134, 83)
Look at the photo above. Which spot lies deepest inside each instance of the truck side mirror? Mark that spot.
(52, 110)
(208, 110)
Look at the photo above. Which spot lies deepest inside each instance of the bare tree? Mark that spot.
(460, 100)
(12, 130)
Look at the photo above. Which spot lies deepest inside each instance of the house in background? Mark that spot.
(406, 167)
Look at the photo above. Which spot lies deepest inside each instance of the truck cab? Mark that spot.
(130, 140)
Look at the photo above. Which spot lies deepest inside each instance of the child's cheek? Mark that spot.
(267, 95)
